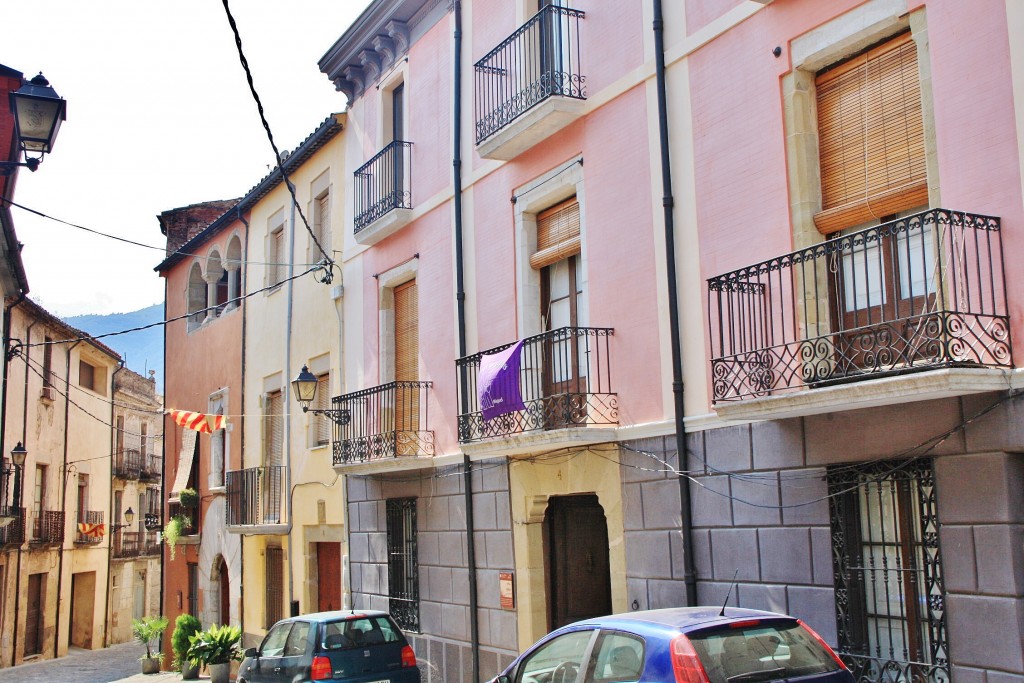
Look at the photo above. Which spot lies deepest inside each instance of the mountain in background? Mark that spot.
(142, 350)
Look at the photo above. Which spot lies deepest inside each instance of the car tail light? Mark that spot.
(321, 669)
(745, 624)
(822, 642)
(685, 662)
(408, 657)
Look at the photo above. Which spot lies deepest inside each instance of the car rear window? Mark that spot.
(359, 632)
(760, 651)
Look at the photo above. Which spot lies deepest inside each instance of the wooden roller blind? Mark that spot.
(871, 136)
(406, 333)
(323, 402)
(274, 430)
(558, 234)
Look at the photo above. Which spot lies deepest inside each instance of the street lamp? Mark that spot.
(38, 112)
(18, 454)
(304, 388)
(129, 517)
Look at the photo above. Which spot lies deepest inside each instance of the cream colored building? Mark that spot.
(286, 500)
(53, 561)
(137, 466)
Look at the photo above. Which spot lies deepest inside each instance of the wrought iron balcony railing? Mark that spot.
(150, 543)
(152, 468)
(541, 59)
(127, 544)
(383, 184)
(256, 496)
(85, 528)
(47, 527)
(127, 464)
(386, 421)
(921, 292)
(191, 515)
(14, 532)
(564, 381)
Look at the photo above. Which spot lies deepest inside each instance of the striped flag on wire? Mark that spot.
(200, 422)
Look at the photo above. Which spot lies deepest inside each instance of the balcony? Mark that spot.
(47, 527)
(151, 543)
(384, 422)
(127, 544)
(88, 529)
(152, 468)
(13, 534)
(565, 384)
(383, 193)
(920, 293)
(256, 499)
(127, 464)
(531, 85)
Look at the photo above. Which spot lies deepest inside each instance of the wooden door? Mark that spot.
(225, 593)
(328, 571)
(579, 571)
(34, 615)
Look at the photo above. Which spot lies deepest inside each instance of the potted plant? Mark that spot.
(215, 648)
(174, 530)
(189, 499)
(148, 631)
(184, 627)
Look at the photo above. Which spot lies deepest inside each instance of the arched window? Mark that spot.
(196, 297)
(233, 267)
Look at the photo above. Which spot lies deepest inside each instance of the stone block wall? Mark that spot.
(443, 644)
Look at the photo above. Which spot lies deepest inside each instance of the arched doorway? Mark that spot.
(224, 588)
(579, 577)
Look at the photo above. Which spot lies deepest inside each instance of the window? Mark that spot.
(320, 210)
(86, 375)
(276, 641)
(871, 136)
(273, 421)
(233, 264)
(277, 254)
(119, 444)
(403, 563)
(144, 439)
(83, 496)
(298, 640)
(617, 657)
(48, 363)
(193, 588)
(407, 358)
(196, 297)
(274, 592)
(559, 659)
(887, 570)
(323, 402)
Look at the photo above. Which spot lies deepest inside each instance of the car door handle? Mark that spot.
(277, 670)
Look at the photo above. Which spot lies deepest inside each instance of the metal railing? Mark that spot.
(47, 527)
(541, 59)
(564, 381)
(385, 421)
(127, 464)
(921, 292)
(152, 468)
(383, 184)
(127, 543)
(256, 496)
(191, 515)
(14, 532)
(85, 532)
(150, 543)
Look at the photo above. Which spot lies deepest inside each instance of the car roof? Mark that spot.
(338, 615)
(681, 619)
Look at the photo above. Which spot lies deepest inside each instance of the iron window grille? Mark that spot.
(274, 558)
(890, 603)
(403, 564)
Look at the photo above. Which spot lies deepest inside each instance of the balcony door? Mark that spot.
(398, 135)
(407, 353)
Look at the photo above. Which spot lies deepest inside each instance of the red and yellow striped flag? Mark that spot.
(200, 422)
(88, 529)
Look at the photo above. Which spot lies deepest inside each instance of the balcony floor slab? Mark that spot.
(538, 441)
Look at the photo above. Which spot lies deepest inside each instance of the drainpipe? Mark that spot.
(242, 277)
(63, 497)
(460, 298)
(110, 544)
(287, 455)
(3, 436)
(163, 461)
(673, 306)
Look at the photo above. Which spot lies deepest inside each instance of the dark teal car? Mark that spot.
(680, 645)
(361, 646)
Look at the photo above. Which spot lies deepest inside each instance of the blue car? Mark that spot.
(680, 645)
(360, 646)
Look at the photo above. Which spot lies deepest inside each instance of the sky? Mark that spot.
(159, 115)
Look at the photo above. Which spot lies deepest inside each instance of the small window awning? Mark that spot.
(187, 455)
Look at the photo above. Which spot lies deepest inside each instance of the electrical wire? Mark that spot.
(240, 262)
(270, 136)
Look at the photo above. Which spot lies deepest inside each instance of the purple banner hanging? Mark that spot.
(498, 382)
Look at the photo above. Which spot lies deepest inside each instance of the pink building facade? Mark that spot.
(844, 202)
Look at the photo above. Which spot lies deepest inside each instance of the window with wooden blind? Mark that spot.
(558, 234)
(274, 569)
(273, 427)
(276, 267)
(322, 220)
(871, 136)
(323, 402)
(407, 352)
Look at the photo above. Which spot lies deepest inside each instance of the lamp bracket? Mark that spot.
(340, 416)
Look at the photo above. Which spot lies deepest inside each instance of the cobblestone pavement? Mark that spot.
(115, 663)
